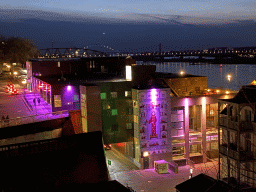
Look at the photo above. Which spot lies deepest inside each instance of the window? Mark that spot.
(75, 98)
(113, 94)
(128, 125)
(129, 111)
(128, 94)
(114, 111)
(58, 64)
(247, 115)
(103, 95)
(57, 100)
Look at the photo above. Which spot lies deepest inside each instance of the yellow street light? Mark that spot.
(182, 72)
(229, 77)
(15, 73)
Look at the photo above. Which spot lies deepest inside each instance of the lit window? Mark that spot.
(128, 94)
(57, 100)
(58, 64)
(103, 95)
(114, 111)
(113, 94)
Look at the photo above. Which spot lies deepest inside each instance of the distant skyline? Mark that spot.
(132, 24)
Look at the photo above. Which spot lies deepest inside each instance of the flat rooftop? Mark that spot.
(88, 79)
(174, 75)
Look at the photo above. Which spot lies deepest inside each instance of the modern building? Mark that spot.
(237, 128)
(160, 115)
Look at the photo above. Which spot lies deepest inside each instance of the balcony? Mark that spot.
(228, 123)
(232, 152)
(247, 126)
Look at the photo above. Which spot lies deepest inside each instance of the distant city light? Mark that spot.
(182, 72)
(69, 87)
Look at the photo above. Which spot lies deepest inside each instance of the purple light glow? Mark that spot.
(69, 88)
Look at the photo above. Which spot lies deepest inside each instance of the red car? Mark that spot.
(9, 87)
(14, 91)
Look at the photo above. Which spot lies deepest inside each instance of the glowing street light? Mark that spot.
(182, 72)
(229, 79)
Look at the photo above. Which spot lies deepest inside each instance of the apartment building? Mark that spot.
(237, 128)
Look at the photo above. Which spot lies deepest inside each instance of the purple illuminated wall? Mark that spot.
(68, 100)
(153, 124)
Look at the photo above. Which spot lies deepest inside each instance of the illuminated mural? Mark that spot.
(152, 107)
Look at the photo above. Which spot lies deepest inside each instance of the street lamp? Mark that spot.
(182, 72)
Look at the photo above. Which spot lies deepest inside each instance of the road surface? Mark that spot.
(119, 163)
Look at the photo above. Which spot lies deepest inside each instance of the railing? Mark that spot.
(33, 119)
(228, 123)
(7, 148)
(247, 126)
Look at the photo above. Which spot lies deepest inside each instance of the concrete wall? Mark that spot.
(32, 137)
(67, 97)
(90, 108)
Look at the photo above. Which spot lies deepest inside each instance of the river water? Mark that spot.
(241, 74)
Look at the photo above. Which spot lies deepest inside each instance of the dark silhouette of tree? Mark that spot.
(17, 50)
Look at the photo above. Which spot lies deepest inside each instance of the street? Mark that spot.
(119, 163)
(149, 180)
(11, 105)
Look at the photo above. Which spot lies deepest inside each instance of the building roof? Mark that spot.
(89, 79)
(247, 94)
(47, 164)
(151, 84)
(205, 183)
(199, 183)
(174, 75)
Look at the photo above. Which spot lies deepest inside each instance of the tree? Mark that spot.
(18, 50)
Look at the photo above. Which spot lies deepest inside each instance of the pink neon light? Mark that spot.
(69, 88)
(153, 95)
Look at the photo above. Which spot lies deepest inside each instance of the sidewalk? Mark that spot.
(150, 181)
(37, 108)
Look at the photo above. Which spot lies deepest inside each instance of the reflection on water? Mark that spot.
(242, 74)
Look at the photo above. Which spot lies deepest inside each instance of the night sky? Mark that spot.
(131, 25)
